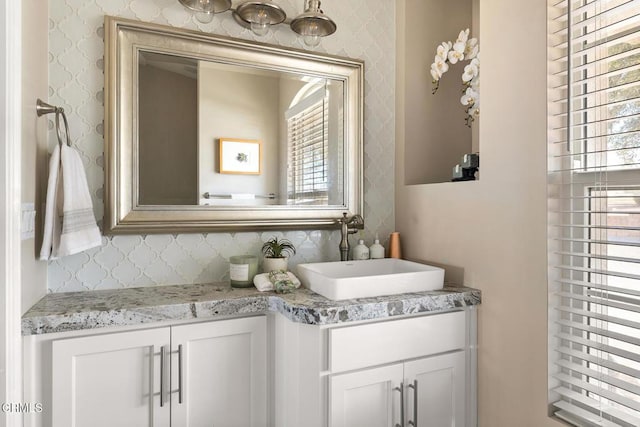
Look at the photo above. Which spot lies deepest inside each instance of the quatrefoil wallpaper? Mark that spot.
(366, 30)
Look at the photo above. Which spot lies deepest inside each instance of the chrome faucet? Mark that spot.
(348, 226)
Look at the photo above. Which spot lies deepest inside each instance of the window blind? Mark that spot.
(307, 130)
(594, 211)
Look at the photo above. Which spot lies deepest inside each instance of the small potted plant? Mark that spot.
(276, 253)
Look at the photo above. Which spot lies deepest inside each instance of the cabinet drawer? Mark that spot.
(378, 343)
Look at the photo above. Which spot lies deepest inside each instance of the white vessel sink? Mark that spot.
(359, 279)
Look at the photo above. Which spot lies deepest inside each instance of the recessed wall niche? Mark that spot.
(435, 134)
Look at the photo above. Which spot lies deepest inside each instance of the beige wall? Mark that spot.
(493, 231)
(34, 142)
(243, 106)
(168, 137)
(436, 137)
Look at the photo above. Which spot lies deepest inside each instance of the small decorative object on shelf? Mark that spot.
(464, 49)
(466, 170)
(275, 253)
(470, 161)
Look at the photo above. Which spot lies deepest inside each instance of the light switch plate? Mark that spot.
(28, 222)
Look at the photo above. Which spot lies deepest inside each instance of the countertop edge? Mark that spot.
(414, 304)
(315, 310)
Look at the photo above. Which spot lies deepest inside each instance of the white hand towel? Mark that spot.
(263, 284)
(52, 225)
(70, 226)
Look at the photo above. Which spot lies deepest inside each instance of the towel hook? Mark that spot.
(43, 108)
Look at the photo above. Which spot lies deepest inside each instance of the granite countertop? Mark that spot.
(69, 311)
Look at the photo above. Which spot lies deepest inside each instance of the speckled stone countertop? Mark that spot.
(60, 312)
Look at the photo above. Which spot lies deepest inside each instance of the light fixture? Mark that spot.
(205, 9)
(260, 15)
(313, 24)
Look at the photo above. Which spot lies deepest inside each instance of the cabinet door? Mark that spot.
(219, 379)
(110, 380)
(438, 389)
(366, 398)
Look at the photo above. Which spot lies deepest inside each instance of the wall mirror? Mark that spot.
(205, 133)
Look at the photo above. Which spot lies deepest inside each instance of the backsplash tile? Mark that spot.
(76, 80)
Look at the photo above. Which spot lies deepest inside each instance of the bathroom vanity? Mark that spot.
(210, 355)
(196, 355)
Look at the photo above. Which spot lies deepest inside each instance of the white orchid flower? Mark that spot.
(435, 74)
(469, 98)
(470, 72)
(450, 53)
(441, 65)
(475, 83)
(471, 49)
(457, 53)
(463, 36)
(443, 49)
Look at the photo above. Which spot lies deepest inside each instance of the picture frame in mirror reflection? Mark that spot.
(240, 156)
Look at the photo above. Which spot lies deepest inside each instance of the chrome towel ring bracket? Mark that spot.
(43, 108)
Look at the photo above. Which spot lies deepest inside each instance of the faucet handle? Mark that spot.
(356, 221)
(343, 220)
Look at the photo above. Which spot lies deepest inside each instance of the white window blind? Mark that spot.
(308, 150)
(594, 211)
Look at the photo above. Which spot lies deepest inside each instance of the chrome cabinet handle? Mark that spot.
(180, 373)
(414, 386)
(401, 390)
(161, 376)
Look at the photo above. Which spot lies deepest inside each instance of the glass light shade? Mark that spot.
(312, 36)
(204, 17)
(311, 41)
(208, 6)
(259, 15)
(260, 22)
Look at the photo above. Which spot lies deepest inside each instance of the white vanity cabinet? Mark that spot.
(191, 375)
(219, 376)
(110, 379)
(301, 361)
(424, 392)
(382, 373)
(366, 398)
(435, 392)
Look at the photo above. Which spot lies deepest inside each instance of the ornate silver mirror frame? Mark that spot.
(124, 39)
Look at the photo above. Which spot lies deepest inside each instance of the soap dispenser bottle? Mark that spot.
(361, 251)
(376, 251)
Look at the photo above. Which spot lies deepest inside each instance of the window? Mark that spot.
(594, 211)
(308, 150)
